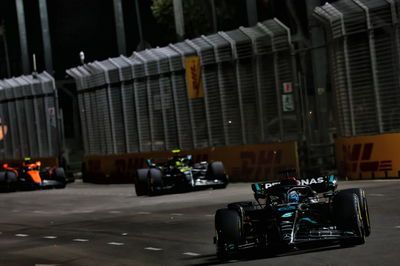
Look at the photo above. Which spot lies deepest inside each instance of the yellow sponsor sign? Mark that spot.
(193, 77)
(242, 163)
(368, 157)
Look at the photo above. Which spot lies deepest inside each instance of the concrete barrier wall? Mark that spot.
(369, 157)
(45, 162)
(242, 163)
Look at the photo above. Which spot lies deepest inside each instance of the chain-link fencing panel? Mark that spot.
(29, 117)
(150, 103)
(364, 56)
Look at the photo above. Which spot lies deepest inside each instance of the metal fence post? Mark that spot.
(373, 63)
(206, 104)
(127, 141)
(110, 106)
(277, 78)
(239, 87)
(256, 61)
(174, 103)
(148, 94)
(194, 138)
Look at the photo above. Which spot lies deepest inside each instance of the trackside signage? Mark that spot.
(368, 157)
(193, 77)
(242, 163)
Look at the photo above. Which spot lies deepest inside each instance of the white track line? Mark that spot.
(191, 254)
(209, 215)
(154, 249)
(398, 227)
(21, 235)
(80, 240)
(114, 212)
(376, 195)
(143, 213)
(49, 237)
(116, 243)
(124, 234)
(176, 214)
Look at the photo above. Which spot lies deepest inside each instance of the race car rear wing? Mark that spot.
(320, 184)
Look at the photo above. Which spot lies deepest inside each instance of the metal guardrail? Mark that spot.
(29, 117)
(364, 54)
(141, 103)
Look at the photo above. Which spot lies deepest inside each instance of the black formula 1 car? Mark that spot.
(293, 214)
(179, 174)
(29, 176)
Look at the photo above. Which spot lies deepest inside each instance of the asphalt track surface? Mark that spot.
(88, 224)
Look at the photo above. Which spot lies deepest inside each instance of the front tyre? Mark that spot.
(141, 184)
(228, 226)
(216, 171)
(59, 175)
(155, 181)
(347, 212)
(363, 206)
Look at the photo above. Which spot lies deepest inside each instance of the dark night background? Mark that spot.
(88, 25)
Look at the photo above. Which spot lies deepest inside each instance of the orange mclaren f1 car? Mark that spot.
(29, 176)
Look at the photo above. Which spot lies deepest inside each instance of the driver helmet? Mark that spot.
(27, 161)
(293, 197)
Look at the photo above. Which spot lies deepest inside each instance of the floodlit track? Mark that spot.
(87, 224)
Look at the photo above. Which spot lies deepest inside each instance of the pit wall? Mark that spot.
(369, 157)
(242, 163)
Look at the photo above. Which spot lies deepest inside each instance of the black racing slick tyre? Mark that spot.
(347, 213)
(155, 180)
(3, 184)
(216, 171)
(59, 175)
(141, 184)
(228, 226)
(363, 206)
(11, 180)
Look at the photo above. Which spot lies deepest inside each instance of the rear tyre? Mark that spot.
(155, 180)
(2, 177)
(11, 180)
(59, 175)
(228, 226)
(141, 185)
(347, 212)
(363, 206)
(3, 184)
(216, 171)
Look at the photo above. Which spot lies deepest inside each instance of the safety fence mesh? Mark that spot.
(143, 102)
(29, 121)
(364, 54)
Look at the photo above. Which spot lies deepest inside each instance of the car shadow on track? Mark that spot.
(254, 254)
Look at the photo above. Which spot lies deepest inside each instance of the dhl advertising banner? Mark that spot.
(242, 163)
(193, 77)
(369, 157)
